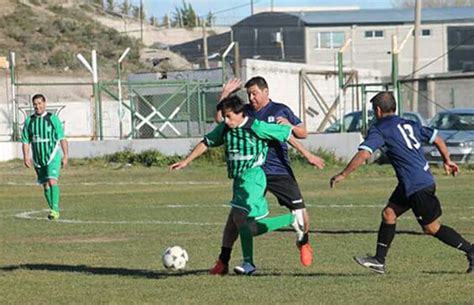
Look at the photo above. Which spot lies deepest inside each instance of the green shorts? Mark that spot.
(249, 193)
(50, 171)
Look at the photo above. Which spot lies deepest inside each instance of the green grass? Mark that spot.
(113, 256)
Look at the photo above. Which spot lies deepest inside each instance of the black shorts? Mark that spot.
(424, 203)
(286, 190)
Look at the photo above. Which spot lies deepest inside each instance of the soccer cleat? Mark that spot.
(306, 255)
(53, 215)
(470, 259)
(371, 263)
(245, 269)
(219, 268)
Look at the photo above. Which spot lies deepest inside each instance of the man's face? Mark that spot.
(258, 98)
(39, 105)
(232, 119)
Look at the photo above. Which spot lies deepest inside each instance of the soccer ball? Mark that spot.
(175, 258)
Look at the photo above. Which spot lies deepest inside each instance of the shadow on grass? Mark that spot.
(154, 274)
(103, 270)
(352, 231)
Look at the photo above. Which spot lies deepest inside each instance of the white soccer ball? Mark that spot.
(175, 258)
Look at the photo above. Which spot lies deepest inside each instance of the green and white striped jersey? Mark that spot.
(44, 133)
(246, 146)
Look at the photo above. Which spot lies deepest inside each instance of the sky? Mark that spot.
(230, 12)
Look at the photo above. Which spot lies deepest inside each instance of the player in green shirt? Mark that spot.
(43, 135)
(245, 141)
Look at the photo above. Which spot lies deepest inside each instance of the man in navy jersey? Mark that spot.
(416, 186)
(280, 178)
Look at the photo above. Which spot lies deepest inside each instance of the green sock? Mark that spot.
(246, 240)
(273, 223)
(55, 197)
(47, 195)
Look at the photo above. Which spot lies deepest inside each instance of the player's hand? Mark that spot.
(27, 162)
(178, 165)
(230, 87)
(283, 121)
(315, 161)
(64, 162)
(451, 168)
(336, 179)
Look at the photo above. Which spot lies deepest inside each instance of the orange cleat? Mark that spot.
(219, 268)
(306, 255)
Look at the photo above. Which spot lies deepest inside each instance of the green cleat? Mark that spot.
(53, 215)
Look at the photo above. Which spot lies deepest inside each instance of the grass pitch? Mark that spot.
(116, 222)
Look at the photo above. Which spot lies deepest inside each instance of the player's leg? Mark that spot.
(286, 190)
(248, 204)
(396, 206)
(53, 169)
(229, 236)
(427, 210)
(42, 178)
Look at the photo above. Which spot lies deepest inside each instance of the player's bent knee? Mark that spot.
(389, 216)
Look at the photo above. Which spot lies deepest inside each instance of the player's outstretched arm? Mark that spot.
(358, 159)
(299, 131)
(229, 88)
(26, 155)
(311, 158)
(197, 151)
(450, 167)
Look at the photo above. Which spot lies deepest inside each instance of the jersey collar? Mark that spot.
(244, 122)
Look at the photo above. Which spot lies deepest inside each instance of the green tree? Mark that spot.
(185, 16)
(110, 5)
(126, 7)
(153, 21)
(210, 19)
(166, 20)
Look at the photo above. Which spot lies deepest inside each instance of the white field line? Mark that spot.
(128, 183)
(30, 215)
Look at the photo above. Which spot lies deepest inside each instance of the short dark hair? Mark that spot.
(38, 96)
(232, 103)
(385, 101)
(257, 80)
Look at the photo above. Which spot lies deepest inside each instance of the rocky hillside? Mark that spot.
(48, 38)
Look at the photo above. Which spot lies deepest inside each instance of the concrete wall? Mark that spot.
(283, 82)
(342, 145)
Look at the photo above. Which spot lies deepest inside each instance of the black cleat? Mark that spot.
(371, 263)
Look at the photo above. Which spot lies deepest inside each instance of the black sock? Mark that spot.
(304, 240)
(450, 237)
(384, 239)
(225, 255)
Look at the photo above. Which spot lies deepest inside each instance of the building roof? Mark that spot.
(367, 16)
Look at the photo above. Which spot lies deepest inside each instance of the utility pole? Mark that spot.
(414, 102)
(141, 20)
(204, 43)
(251, 7)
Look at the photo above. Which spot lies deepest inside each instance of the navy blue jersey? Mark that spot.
(277, 158)
(402, 141)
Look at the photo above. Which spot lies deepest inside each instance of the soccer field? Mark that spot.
(116, 222)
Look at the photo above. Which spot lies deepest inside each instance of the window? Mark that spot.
(426, 32)
(374, 34)
(329, 40)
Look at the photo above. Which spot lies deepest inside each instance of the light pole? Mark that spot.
(119, 84)
(95, 82)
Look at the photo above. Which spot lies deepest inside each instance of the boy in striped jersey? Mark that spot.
(43, 132)
(245, 141)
